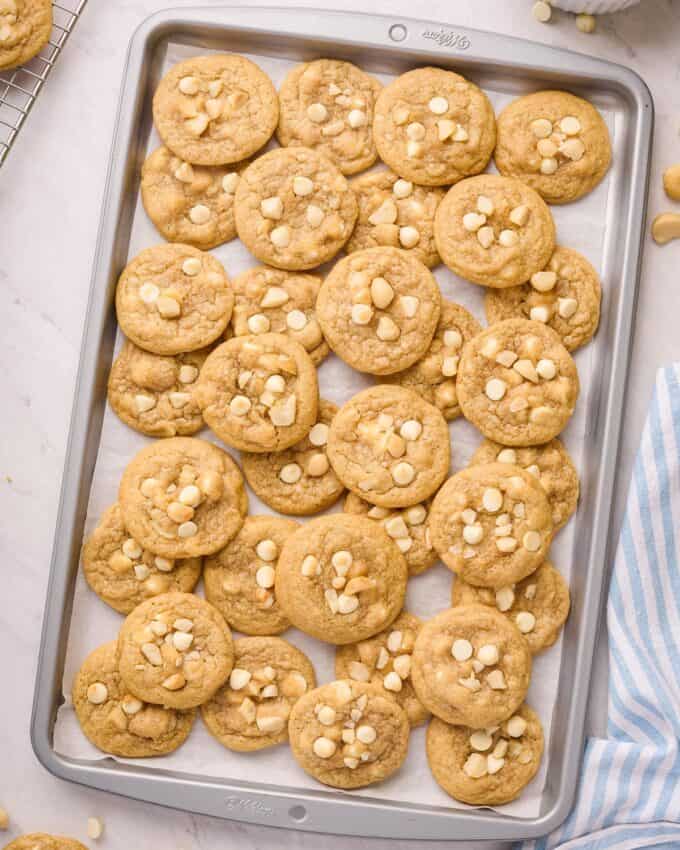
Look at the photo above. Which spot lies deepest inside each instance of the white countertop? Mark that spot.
(50, 194)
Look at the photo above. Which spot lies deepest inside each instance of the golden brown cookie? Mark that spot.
(348, 734)
(340, 579)
(395, 213)
(188, 203)
(494, 231)
(117, 722)
(434, 127)
(239, 579)
(271, 300)
(406, 526)
(434, 375)
(491, 524)
(470, 666)
(259, 393)
(173, 298)
(300, 480)
(214, 110)
(153, 393)
(122, 573)
(517, 383)
(294, 209)
(549, 463)
(42, 841)
(25, 27)
(565, 296)
(555, 142)
(175, 650)
(389, 446)
(250, 711)
(328, 105)
(378, 310)
(538, 605)
(182, 497)
(486, 767)
(385, 661)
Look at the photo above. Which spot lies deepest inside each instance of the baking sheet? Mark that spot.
(581, 226)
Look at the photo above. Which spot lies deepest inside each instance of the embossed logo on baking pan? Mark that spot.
(244, 804)
(448, 38)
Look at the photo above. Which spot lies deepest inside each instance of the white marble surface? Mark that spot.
(50, 193)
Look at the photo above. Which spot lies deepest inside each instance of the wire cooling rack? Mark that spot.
(19, 87)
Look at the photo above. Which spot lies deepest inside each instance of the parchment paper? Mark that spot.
(579, 225)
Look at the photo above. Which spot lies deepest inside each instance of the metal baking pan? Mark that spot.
(382, 45)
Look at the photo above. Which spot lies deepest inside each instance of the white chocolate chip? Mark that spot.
(97, 693)
(541, 128)
(296, 320)
(525, 621)
(403, 474)
(356, 118)
(187, 529)
(272, 208)
(519, 215)
(506, 544)
(199, 214)
(409, 305)
(496, 680)
(149, 292)
(317, 113)
(168, 307)
(473, 534)
(507, 456)
(408, 236)
(187, 374)
(549, 165)
(495, 389)
(475, 766)
(480, 740)
(141, 572)
(566, 307)
(347, 604)
(361, 314)
(184, 173)
(318, 436)
(358, 671)
(280, 236)
(310, 565)
(472, 221)
(485, 236)
(413, 149)
(290, 473)
(95, 826)
(505, 598)
(152, 654)
(324, 748)
(446, 128)
(573, 149)
(386, 213)
(342, 560)
(402, 666)
(461, 649)
(516, 726)
(527, 370)
(402, 188)
(284, 412)
(239, 678)
(302, 186)
(415, 131)
(468, 516)
(392, 682)
(240, 405)
(508, 238)
(543, 281)
(453, 339)
(387, 329)
(326, 715)
(144, 403)
(265, 576)
(182, 641)
(546, 148)
(471, 682)
(230, 182)
(492, 499)
(258, 323)
(366, 734)
(541, 11)
(540, 313)
(485, 205)
(546, 369)
(411, 429)
(493, 764)
(396, 527)
(488, 654)
(438, 105)
(382, 293)
(188, 85)
(275, 296)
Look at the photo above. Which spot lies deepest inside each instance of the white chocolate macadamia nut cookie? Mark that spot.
(294, 209)
(389, 446)
(122, 573)
(385, 661)
(215, 110)
(175, 650)
(406, 526)
(239, 579)
(117, 722)
(549, 463)
(182, 497)
(517, 383)
(340, 579)
(348, 734)
(153, 393)
(395, 213)
(250, 711)
(565, 296)
(378, 309)
(259, 393)
(486, 767)
(494, 231)
(491, 524)
(270, 300)
(190, 203)
(538, 605)
(470, 666)
(554, 141)
(25, 27)
(434, 375)
(300, 480)
(328, 105)
(173, 298)
(434, 127)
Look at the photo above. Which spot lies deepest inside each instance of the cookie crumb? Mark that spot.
(4, 819)
(542, 11)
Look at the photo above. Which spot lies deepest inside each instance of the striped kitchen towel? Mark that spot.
(629, 794)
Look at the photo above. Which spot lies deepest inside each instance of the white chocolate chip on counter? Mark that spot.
(95, 826)
(541, 11)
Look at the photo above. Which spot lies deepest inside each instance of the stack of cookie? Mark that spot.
(241, 357)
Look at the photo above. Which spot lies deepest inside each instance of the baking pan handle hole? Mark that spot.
(398, 32)
(298, 813)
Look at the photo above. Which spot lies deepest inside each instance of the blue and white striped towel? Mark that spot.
(629, 795)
